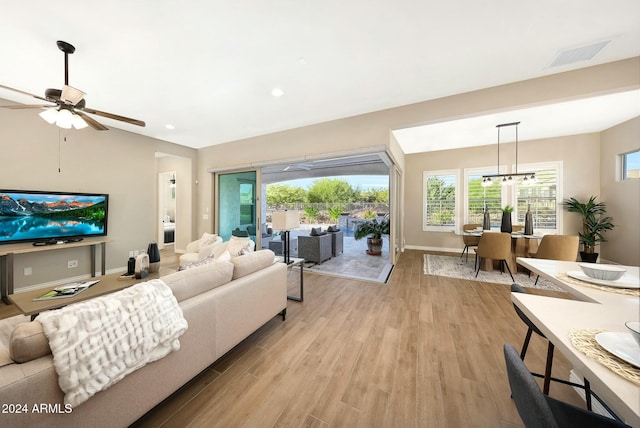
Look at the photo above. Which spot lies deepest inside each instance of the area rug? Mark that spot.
(457, 267)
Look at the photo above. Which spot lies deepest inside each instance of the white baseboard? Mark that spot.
(440, 249)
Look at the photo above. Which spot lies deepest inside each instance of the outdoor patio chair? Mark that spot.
(314, 248)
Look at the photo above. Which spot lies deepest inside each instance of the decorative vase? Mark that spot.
(154, 257)
(486, 223)
(505, 226)
(528, 221)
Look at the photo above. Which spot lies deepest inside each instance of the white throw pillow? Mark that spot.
(238, 245)
(207, 239)
(226, 256)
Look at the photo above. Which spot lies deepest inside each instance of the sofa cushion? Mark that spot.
(252, 262)
(28, 342)
(239, 245)
(199, 262)
(191, 282)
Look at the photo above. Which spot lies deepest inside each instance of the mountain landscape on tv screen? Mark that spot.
(23, 207)
(25, 217)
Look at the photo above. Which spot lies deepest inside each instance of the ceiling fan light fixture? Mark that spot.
(78, 122)
(64, 119)
(50, 115)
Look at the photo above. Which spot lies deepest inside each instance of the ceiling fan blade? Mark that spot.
(114, 116)
(25, 106)
(91, 121)
(23, 92)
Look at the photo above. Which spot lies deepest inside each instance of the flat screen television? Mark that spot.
(49, 217)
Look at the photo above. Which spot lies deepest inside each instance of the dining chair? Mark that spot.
(532, 328)
(538, 410)
(557, 247)
(469, 240)
(517, 228)
(495, 246)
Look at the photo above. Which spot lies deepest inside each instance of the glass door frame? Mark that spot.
(257, 214)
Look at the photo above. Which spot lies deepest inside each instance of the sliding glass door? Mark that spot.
(237, 212)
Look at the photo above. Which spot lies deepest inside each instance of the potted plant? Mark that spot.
(594, 224)
(505, 226)
(374, 230)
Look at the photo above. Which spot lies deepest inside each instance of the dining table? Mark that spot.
(577, 326)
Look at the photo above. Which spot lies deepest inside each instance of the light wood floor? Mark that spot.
(420, 351)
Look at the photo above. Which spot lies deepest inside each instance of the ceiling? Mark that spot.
(208, 67)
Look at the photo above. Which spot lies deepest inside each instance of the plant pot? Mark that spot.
(374, 246)
(588, 257)
(505, 226)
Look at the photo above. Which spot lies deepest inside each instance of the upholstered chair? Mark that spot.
(494, 246)
(468, 240)
(557, 247)
(314, 248)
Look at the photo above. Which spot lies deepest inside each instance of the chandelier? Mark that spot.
(508, 179)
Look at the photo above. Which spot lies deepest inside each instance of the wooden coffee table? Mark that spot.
(108, 284)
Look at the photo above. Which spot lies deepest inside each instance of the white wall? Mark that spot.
(116, 162)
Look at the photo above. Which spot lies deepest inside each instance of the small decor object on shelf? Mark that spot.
(528, 221)
(154, 257)
(142, 266)
(68, 290)
(486, 223)
(505, 226)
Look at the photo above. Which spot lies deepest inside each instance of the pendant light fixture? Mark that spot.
(508, 179)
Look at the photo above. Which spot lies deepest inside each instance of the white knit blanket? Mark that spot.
(98, 342)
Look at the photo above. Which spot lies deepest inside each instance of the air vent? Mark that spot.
(583, 53)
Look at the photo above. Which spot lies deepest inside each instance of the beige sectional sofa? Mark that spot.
(223, 303)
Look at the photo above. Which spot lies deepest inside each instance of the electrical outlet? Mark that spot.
(28, 271)
(72, 264)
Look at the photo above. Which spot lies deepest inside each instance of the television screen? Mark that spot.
(50, 216)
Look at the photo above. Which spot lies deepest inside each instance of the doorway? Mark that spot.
(167, 207)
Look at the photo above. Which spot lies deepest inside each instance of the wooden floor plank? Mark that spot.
(419, 351)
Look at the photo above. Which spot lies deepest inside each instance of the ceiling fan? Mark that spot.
(70, 106)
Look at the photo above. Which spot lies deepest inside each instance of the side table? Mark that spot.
(295, 261)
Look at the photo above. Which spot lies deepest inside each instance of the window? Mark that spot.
(439, 197)
(477, 197)
(631, 165)
(543, 197)
(247, 203)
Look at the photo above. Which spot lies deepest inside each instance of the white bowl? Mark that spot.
(601, 271)
(634, 326)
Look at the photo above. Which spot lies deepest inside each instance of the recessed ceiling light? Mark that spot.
(277, 92)
(302, 61)
(169, 126)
